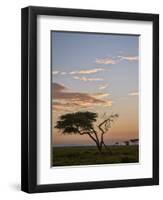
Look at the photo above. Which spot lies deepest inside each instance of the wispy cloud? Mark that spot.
(89, 71)
(100, 95)
(85, 79)
(102, 87)
(129, 58)
(63, 73)
(55, 72)
(59, 73)
(86, 71)
(106, 61)
(115, 60)
(133, 94)
(64, 99)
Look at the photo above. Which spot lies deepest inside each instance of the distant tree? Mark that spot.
(134, 140)
(82, 123)
(127, 143)
(116, 143)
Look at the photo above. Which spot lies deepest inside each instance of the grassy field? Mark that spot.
(67, 156)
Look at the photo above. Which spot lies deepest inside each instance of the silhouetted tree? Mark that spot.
(82, 123)
(134, 141)
(127, 143)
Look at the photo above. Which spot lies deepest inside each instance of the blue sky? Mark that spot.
(103, 67)
(76, 51)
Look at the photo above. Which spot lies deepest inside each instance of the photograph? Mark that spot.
(94, 98)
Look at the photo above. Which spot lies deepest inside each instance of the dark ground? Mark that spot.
(89, 155)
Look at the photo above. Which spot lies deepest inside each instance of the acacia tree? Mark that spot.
(85, 123)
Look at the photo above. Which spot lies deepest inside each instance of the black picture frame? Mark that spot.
(29, 99)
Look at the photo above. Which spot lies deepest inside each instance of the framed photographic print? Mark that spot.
(90, 99)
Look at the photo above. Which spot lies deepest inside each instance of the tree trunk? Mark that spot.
(98, 144)
(99, 148)
(106, 147)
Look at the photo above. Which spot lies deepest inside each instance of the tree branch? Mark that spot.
(107, 126)
(88, 133)
(105, 122)
(101, 124)
(93, 138)
(96, 135)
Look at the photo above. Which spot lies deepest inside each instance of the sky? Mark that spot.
(97, 73)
